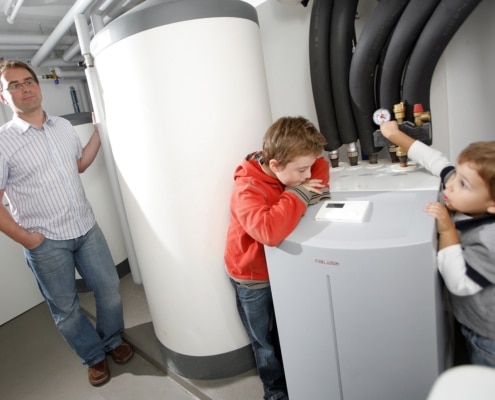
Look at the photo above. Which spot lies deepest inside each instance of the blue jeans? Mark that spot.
(256, 310)
(53, 264)
(481, 350)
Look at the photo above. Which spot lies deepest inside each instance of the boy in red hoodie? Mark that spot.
(272, 190)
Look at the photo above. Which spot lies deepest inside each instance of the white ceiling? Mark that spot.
(36, 21)
(39, 16)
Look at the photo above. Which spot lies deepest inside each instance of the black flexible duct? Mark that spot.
(414, 69)
(448, 16)
(319, 59)
(400, 46)
(363, 68)
(342, 40)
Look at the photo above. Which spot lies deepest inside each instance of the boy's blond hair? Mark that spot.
(290, 137)
(481, 157)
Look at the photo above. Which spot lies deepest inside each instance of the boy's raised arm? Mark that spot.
(392, 132)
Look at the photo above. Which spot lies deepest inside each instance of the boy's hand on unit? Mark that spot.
(313, 185)
(441, 214)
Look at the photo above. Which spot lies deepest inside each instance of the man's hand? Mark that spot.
(33, 240)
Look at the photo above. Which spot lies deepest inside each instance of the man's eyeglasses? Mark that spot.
(15, 87)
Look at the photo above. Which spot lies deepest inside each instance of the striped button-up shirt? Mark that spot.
(38, 171)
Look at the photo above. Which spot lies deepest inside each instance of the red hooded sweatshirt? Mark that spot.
(263, 212)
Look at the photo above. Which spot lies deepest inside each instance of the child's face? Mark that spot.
(467, 193)
(295, 172)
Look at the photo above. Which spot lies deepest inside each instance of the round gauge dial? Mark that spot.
(381, 115)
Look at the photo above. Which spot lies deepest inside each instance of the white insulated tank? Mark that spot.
(185, 97)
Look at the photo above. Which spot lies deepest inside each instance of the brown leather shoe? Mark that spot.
(122, 353)
(98, 373)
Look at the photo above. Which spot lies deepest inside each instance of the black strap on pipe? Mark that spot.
(448, 16)
(319, 60)
(362, 74)
(400, 46)
(342, 38)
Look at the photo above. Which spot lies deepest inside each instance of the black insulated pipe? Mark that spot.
(364, 63)
(448, 16)
(342, 42)
(319, 60)
(400, 46)
(394, 61)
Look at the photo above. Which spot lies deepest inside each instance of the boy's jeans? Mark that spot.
(481, 350)
(255, 308)
(53, 264)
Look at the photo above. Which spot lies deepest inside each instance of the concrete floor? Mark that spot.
(36, 363)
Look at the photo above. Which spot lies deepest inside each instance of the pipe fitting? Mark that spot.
(402, 156)
(392, 151)
(420, 116)
(373, 158)
(400, 112)
(89, 60)
(333, 155)
(352, 153)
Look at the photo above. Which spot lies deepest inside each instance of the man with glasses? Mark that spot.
(41, 158)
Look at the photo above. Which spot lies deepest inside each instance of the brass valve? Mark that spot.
(400, 112)
(420, 116)
(53, 75)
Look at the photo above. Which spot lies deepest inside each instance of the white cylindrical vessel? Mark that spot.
(185, 97)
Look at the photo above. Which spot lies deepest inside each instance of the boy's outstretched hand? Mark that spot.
(393, 133)
(447, 231)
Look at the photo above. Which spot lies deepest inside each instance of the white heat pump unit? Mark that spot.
(359, 301)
